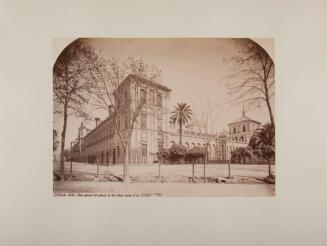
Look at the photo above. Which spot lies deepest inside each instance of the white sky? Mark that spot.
(190, 67)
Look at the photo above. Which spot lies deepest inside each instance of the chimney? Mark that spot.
(97, 119)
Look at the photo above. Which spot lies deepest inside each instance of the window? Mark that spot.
(234, 130)
(160, 148)
(244, 128)
(126, 122)
(142, 96)
(152, 96)
(159, 123)
(152, 120)
(125, 97)
(143, 121)
(118, 124)
(143, 153)
(159, 100)
(121, 126)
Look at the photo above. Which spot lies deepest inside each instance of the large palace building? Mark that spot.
(152, 130)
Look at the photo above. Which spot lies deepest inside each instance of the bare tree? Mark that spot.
(108, 95)
(71, 86)
(208, 116)
(109, 73)
(253, 76)
(55, 141)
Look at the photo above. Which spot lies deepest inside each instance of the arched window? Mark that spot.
(187, 145)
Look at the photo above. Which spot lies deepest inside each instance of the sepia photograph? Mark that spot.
(163, 123)
(170, 117)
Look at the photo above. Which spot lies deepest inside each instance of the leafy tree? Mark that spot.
(177, 152)
(163, 155)
(181, 115)
(263, 143)
(252, 80)
(71, 86)
(195, 154)
(239, 155)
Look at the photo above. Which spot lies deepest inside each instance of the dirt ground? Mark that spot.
(174, 180)
(215, 173)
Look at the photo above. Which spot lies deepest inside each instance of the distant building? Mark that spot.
(238, 135)
(241, 129)
(153, 130)
(194, 135)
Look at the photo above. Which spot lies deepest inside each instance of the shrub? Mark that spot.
(163, 155)
(177, 153)
(242, 155)
(196, 154)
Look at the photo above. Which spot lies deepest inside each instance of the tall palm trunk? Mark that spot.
(62, 147)
(180, 132)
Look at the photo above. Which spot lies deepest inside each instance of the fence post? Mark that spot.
(71, 167)
(97, 167)
(193, 172)
(204, 171)
(229, 177)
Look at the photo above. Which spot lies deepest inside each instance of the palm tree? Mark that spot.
(182, 114)
(263, 143)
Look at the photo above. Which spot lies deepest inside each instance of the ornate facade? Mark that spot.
(152, 129)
